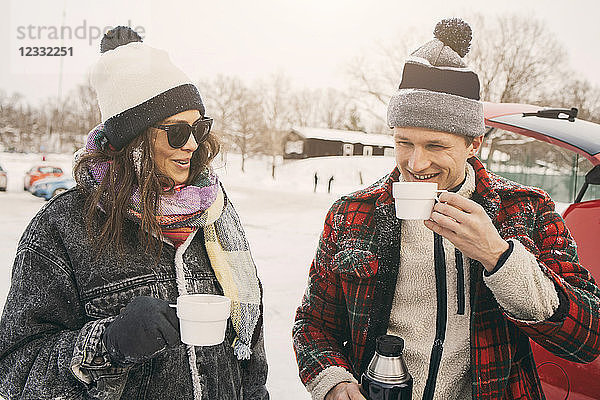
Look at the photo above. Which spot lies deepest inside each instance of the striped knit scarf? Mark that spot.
(204, 205)
(230, 258)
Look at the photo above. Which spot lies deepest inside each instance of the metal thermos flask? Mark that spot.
(387, 377)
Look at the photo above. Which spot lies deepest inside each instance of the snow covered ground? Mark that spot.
(283, 219)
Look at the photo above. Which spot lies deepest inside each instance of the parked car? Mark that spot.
(3, 179)
(41, 171)
(49, 187)
(561, 154)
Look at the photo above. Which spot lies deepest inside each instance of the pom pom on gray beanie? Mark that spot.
(438, 91)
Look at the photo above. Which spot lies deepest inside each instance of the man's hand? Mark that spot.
(345, 391)
(466, 224)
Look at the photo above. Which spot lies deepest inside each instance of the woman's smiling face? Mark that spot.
(175, 163)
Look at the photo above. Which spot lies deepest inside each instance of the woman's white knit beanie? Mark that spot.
(137, 86)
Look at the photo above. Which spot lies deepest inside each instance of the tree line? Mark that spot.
(517, 59)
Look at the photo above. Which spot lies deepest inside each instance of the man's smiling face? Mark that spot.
(423, 155)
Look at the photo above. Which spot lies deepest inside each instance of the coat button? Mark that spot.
(98, 361)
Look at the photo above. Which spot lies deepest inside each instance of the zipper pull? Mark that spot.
(460, 281)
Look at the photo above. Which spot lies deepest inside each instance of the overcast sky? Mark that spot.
(311, 41)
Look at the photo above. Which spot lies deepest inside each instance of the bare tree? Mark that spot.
(19, 123)
(516, 58)
(237, 112)
(578, 93)
(51, 125)
(248, 124)
(375, 77)
(254, 119)
(304, 107)
(324, 108)
(89, 111)
(80, 113)
(220, 96)
(334, 109)
(354, 122)
(276, 110)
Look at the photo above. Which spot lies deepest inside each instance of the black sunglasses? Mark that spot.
(179, 133)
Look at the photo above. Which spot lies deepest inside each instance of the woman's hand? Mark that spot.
(145, 328)
(345, 391)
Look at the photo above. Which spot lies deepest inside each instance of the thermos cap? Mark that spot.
(389, 345)
(387, 365)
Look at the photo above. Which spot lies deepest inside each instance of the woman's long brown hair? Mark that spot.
(107, 204)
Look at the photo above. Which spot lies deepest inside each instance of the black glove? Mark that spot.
(143, 329)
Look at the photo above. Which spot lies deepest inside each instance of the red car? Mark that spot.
(38, 172)
(552, 149)
(3, 179)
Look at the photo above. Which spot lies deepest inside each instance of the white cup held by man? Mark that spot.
(414, 200)
(203, 318)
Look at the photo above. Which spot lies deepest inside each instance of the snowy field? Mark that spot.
(282, 218)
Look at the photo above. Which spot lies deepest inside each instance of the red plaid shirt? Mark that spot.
(353, 278)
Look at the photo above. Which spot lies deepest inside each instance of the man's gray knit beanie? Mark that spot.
(438, 90)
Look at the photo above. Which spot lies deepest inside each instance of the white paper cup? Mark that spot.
(203, 318)
(414, 200)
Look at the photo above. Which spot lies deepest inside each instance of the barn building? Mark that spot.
(320, 142)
